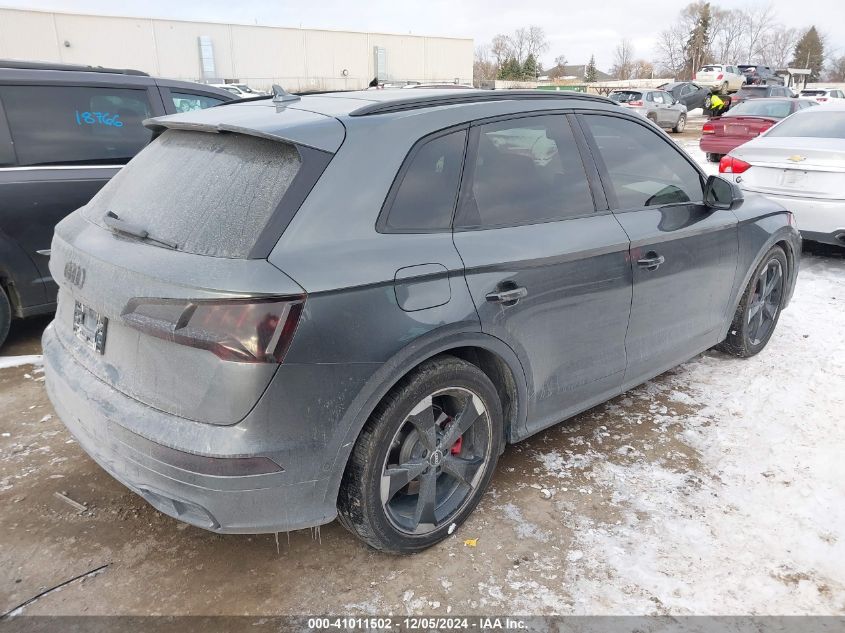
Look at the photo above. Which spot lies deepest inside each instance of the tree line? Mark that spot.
(704, 33)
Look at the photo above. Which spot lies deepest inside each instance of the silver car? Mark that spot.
(799, 163)
(658, 106)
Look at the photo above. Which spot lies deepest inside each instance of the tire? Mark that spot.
(682, 123)
(723, 89)
(713, 158)
(652, 118)
(390, 517)
(758, 312)
(5, 316)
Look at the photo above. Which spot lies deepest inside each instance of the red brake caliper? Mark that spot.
(456, 447)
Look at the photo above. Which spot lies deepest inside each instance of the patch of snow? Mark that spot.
(7, 362)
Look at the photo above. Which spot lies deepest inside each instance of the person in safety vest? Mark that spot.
(716, 105)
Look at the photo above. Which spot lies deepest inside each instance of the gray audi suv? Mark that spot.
(345, 305)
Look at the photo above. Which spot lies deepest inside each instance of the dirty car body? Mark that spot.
(243, 430)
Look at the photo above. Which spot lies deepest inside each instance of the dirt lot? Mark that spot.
(716, 488)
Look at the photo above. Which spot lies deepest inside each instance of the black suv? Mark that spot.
(759, 75)
(64, 132)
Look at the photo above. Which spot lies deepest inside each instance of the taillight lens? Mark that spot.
(821, 99)
(720, 77)
(708, 128)
(731, 165)
(635, 104)
(765, 126)
(240, 330)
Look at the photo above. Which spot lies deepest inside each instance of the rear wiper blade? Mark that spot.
(127, 228)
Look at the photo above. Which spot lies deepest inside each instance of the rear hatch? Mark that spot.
(162, 294)
(710, 74)
(813, 168)
(629, 98)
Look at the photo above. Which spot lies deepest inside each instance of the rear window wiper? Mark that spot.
(127, 228)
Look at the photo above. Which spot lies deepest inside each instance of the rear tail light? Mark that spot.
(708, 128)
(731, 165)
(765, 126)
(635, 104)
(240, 330)
(821, 99)
(720, 77)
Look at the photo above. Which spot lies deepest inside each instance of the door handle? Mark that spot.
(508, 297)
(651, 261)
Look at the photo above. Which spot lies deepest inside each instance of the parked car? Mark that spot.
(744, 122)
(240, 90)
(799, 163)
(251, 353)
(760, 92)
(721, 77)
(823, 95)
(760, 75)
(657, 106)
(690, 94)
(66, 131)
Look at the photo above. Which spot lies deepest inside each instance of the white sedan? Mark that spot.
(799, 163)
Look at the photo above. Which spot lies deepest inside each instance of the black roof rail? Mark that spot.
(24, 65)
(479, 96)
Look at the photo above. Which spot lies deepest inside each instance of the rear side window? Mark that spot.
(644, 169)
(524, 171)
(55, 125)
(426, 195)
(185, 102)
(210, 194)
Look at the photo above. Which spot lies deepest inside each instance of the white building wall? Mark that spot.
(298, 59)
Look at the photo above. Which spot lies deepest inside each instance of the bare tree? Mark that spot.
(523, 42)
(778, 45)
(759, 19)
(623, 60)
(671, 50)
(728, 28)
(484, 66)
(836, 69)
(642, 69)
(500, 49)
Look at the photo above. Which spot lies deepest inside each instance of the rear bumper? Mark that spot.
(814, 216)
(720, 145)
(244, 503)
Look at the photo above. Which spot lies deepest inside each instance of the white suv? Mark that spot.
(723, 77)
(823, 95)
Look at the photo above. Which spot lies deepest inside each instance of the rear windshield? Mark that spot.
(210, 194)
(748, 69)
(774, 109)
(626, 96)
(819, 124)
(711, 69)
(812, 93)
(753, 91)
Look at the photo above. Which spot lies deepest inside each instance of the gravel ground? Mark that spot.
(716, 488)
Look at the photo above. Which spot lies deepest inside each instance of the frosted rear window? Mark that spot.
(211, 194)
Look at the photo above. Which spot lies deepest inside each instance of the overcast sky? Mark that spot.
(575, 29)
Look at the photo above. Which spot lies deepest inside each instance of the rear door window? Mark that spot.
(210, 194)
(523, 171)
(186, 102)
(643, 169)
(56, 125)
(425, 197)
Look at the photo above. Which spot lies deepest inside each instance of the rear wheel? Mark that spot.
(723, 89)
(714, 158)
(681, 124)
(424, 458)
(759, 310)
(5, 316)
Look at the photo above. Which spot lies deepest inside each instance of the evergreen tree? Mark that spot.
(809, 53)
(698, 42)
(591, 72)
(530, 69)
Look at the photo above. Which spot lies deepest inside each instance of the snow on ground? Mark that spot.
(735, 505)
(18, 361)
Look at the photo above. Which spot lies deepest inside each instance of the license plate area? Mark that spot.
(792, 177)
(90, 327)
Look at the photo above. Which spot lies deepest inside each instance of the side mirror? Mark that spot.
(722, 194)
